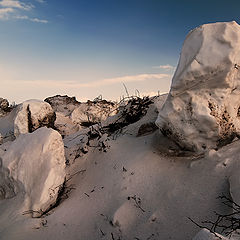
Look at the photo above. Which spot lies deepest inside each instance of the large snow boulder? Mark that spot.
(37, 162)
(203, 107)
(33, 114)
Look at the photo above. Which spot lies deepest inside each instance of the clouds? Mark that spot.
(100, 83)
(4, 12)
(165, 67)
(15, 4)
(14, 9)
(24, 17)
(129, 78)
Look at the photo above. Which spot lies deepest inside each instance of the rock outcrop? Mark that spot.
(202, 110)
(31, 115)
(37, 162)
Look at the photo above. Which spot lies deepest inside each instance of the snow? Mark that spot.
(124, 178)
(202, 109)
(7, 126)
(31, 115)
(93, 112)
(204, 234)
(7, 184)
(137, 188)
(37, 162)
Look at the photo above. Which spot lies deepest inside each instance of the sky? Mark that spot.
(87, 48)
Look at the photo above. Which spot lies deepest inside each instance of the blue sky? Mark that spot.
(86, 47)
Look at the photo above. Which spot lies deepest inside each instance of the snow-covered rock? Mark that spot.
(65, 125)
(63, 104)
(203, 107)
(63, 107)
(36, 160)
(33, 114)
(89, 113)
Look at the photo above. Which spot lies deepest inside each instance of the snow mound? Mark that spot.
(90, 113)
(37, 162)
(63, 107)
(203, 107)
(31, 115)
(63, 104)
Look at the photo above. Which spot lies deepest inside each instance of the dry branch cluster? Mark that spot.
(225, 224)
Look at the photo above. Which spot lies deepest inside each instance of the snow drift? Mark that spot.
(203, 107)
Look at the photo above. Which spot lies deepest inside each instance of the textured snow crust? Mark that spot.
(203, 107)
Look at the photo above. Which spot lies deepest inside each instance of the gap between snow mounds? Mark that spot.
(36, 160)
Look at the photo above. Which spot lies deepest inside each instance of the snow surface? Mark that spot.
(138, 188)
(202, 109)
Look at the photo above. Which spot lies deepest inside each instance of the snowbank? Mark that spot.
(203, 107)
(31, 115)
(37, 161)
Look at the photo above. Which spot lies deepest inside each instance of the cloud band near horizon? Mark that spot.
(103, 82)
